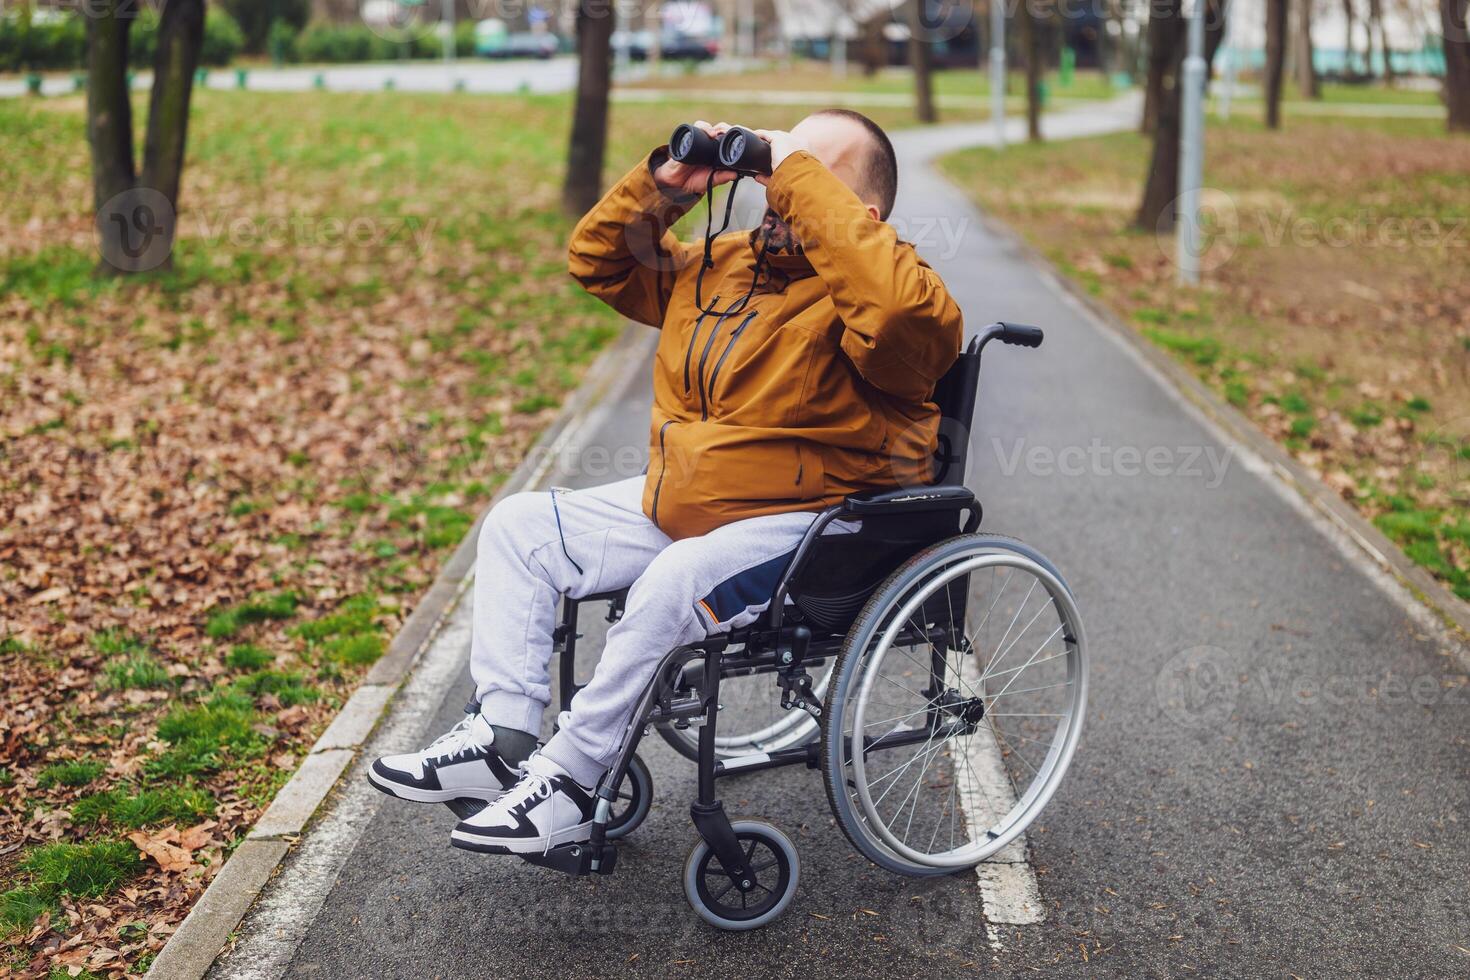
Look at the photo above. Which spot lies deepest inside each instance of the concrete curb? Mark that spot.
(1450, 609)
(192, 949)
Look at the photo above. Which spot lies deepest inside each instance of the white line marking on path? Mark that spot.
(1008, 888)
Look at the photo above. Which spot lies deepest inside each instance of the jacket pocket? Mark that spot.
(693, 339)
(663, 468)
(714, 375)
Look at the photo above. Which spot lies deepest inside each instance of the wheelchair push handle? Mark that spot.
(1017, 334)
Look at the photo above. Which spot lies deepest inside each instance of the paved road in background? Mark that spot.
(557, 74)
(1272, 781)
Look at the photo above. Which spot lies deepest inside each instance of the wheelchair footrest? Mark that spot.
(577, 859)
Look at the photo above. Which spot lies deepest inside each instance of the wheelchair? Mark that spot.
(936, 676)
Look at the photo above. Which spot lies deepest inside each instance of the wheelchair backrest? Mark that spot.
(833, 585)
(955, 395)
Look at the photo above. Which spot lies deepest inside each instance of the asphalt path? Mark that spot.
(1272, 781)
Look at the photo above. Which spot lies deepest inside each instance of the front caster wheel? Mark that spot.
(635, 796)
(771, 859)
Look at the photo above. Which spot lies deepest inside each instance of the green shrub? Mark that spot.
(222, 38)
(74, 772)
(41, 43)
(341, 43)
(281, 43)
(261, 20)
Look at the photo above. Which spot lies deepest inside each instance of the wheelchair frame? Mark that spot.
(685, 689)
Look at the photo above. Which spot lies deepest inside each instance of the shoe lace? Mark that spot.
(532, 786)
(454, 742)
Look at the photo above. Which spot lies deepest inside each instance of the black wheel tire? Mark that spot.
(832, 776)
(635, 797)
(764, 843)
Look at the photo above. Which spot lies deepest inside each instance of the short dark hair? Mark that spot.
(880, 164)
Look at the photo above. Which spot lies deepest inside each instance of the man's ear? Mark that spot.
(873, 212)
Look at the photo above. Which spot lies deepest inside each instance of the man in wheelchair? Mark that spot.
(797, 365)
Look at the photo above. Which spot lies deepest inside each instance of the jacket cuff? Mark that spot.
(802, 177)
(656, 159)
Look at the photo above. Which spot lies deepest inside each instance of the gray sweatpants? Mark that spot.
(681, 591)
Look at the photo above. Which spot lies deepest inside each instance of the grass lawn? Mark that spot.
(1336, 308)
(1337, 93)
(961, 94)
(225, 486)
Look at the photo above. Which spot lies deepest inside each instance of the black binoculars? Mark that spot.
(739, 150)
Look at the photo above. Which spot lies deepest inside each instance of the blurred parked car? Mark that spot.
(672, 47)
(491, 42)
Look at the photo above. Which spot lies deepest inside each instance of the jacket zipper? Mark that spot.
(703, 359)
(715, 374)
(690, 352)
(663, 468)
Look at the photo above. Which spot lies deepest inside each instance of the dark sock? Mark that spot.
(513, 745)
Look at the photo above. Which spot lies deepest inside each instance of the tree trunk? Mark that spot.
(1161, 187)
(919, 58)
(1275, 59)
(1454, 15)
(1375, 25)
(1306, 70)
(589, 116)
(1164, 33)
(873, 49)
(1350, 53)
(1031, 42)
(180, 35)
(109, 113)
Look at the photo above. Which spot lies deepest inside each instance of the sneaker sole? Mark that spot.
(414, 794)
(579, 834)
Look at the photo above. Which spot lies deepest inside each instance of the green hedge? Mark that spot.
(223, 39)
(341, 43)
(28, 45)
(61, 44)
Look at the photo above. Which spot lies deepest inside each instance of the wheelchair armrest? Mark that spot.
(901, 501)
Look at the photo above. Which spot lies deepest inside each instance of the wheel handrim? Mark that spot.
(988, 820)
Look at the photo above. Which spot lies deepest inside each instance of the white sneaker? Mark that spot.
(461, 764)
(545, 809)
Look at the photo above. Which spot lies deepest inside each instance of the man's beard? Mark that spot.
(778, 235)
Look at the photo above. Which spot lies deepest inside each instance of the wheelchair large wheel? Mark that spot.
(752, 719)
(955, 707)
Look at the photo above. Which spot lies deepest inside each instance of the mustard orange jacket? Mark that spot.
(820, 386)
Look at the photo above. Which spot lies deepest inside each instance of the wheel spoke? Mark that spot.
(901, 676)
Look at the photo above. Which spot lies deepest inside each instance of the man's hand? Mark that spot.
(681, 178)
(783, 144)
